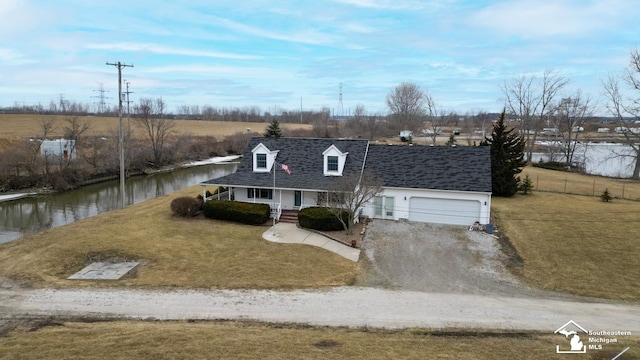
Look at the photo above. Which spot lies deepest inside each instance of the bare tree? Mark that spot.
(321, 123)
(626, 107)
(150, 115)
(531, 99)
(355, 125)
(436, 117)
(73, 131)
(406, 103)
(372, 125)
(349, 193)
(570, 116)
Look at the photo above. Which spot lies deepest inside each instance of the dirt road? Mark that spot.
(345, 306)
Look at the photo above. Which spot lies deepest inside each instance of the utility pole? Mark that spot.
(128, 102)
(128, 120)
(120, 65)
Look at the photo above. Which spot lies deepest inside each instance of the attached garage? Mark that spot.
(444, 211)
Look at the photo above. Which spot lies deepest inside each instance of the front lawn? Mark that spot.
(573, 243)
(174, 251)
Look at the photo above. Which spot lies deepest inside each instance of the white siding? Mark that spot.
(402, 201)
(309, 198)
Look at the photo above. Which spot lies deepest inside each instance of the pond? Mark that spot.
(604, 159)
(34, 214)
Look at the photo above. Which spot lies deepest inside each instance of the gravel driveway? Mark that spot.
(437, 258)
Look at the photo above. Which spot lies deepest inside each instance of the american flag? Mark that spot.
(284, 167)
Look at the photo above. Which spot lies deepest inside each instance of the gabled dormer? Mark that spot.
(334, 160)
(263, 158)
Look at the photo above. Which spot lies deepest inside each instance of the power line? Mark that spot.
(101, 98)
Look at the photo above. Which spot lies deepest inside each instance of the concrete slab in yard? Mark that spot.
(104, 271)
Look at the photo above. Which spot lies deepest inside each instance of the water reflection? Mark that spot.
(30, 215)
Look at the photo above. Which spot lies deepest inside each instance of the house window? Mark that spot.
(332, 163)
(261, 161)
(260, 193)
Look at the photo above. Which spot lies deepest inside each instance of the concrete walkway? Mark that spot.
(291, 234)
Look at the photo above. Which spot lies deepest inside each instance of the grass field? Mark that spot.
(174, 251)
(576, 244)
(574, 183)
(233, 340)
(25, 126)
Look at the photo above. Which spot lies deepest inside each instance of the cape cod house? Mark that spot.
(450, 185)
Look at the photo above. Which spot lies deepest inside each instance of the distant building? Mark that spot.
(59, 147)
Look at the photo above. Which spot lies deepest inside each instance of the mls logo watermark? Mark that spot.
(572, 331)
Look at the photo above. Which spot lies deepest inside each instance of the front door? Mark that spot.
(297, 198)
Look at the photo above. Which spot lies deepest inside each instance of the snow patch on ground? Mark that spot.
(215, 160)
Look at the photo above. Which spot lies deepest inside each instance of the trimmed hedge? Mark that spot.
(321, 218)
(551, 165)
(242, 212)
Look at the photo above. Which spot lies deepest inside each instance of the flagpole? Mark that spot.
(273, 194)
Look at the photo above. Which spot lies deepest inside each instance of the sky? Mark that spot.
(284, 55)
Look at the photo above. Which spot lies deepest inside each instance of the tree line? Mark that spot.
(532, 102)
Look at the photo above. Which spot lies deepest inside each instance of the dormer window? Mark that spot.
(261, 161)
(334, 161)
(263, 158)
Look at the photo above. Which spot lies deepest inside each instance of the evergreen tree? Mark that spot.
(507, 158)
(273, 130)
(452, 140)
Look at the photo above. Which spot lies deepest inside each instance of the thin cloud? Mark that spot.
(158, 49)
(303, 36)
(388, 4)
(532, 18)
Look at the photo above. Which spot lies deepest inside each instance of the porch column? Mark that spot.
(204, 192)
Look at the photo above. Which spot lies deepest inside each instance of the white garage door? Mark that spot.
(444, 211)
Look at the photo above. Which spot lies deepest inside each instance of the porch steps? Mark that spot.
(289, 216)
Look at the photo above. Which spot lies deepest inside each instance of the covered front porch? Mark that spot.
(278, 199)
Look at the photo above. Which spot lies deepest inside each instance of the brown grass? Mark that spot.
(175, 252)
(573, 243)
(23, 126)
(233, 340)
(574, 183)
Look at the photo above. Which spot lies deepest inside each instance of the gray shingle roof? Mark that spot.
(304, 158)
(462, 168)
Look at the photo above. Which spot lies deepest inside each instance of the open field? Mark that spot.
(175, 252)
(576, 244)
(25, 126)
(574, 183)
(233, 340)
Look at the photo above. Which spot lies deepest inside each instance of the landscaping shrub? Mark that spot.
(551, 165)
(606, 195)
(321, 218)
(242, 212)
(525, 186)
(186, 206)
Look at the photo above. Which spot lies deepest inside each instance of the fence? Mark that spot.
(618, 188)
